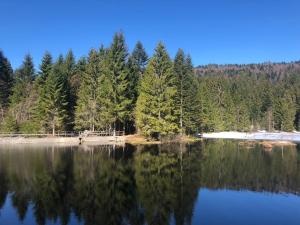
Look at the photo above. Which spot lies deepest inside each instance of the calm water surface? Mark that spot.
(215, 182)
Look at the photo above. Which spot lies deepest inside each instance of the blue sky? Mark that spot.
(212, 31)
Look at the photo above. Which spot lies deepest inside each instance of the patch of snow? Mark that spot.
(280, 136)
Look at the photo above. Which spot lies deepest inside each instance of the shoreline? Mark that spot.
(255, 136)
(72, 141)
(92, 140)
(284, 137)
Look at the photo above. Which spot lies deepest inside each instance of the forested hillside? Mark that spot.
(112, 89)
(250, 97)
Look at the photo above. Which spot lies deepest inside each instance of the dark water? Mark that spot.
(217, 182)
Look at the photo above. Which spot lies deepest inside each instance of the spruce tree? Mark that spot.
(180, 71)
(6, 82)
(187, 99)
(105, 101)
(156, 112)
(191, 100)
(23, 79)
(118, 72)
(285, 112)
(86, 110)
(136, 65)
(210, 113)
(54, 102)
(24, 95)
(45, 67)
(69, 67)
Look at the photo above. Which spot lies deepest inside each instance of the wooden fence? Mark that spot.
(66, 134)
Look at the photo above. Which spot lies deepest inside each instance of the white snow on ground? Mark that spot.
(276, 136)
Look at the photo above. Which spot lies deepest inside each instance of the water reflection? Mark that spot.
(155, 184)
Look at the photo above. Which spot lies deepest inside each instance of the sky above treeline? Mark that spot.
(212, 31)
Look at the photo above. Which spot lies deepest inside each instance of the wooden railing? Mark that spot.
(101, 133)
(66, 134)
(59, 134)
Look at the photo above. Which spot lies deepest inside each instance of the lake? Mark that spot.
(212, 182)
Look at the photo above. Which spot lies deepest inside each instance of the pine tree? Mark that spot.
(136, 65)
(86, 109)
(118, 73)
(105, 102)
(191, 100)
(78, 75)
(187, 99)
(23, 96)
(285, 112)
(6, 81)
(54, 102)
(69, 67)
(156, 112)
(45, 67)
(23, 79)
(210, 113)
(40, 84)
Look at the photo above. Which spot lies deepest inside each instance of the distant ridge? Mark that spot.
(273, 71)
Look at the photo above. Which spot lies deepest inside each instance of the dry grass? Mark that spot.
(139, 139)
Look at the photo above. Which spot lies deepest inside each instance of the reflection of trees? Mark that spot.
(152, 184)
(3, 183)
(225, 164)
(104, 189)
(187, 183)
(52, 190)
(167, 179)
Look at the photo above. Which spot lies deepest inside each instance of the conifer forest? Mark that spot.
(114, 89)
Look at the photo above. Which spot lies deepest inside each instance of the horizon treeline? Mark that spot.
(112, 89)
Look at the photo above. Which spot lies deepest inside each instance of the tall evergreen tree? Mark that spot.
(23, 96)
(118, 73)
(156, 112)
(187, 98)
(86, 110)
(6, 81)
(69, 67)
(23, 78)
(45, 67)
(54, 102)
(136, 64)
(285, 112)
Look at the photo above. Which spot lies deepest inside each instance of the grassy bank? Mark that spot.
(139, 139)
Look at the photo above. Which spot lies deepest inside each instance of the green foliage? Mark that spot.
(87, 110)
(45, 67)
(24, 92)
(29, 127)
(9, 124)
(284, 113)
(187, 99)
(136, 64)
(118, 73)
(54, 101)
(6, 81)
(23, 79)
(105, 100)
(156, 111)
(112, 89)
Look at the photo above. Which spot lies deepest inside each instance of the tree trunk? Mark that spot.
(53, 129)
